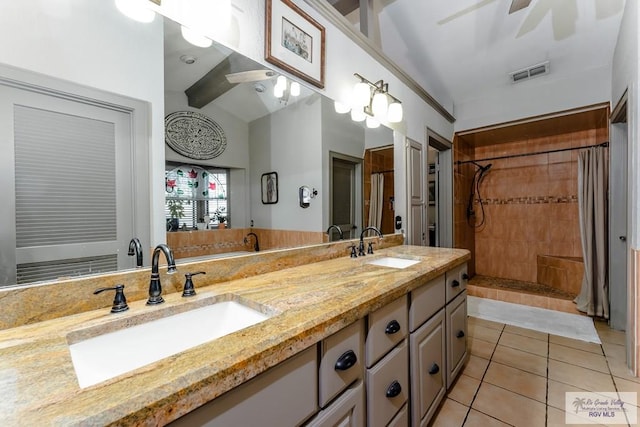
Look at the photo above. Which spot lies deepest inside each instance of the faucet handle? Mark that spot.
(370, 248)
(119, 301)
(353, 251)
(189, 290)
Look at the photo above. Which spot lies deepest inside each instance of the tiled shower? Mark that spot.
(528, 250)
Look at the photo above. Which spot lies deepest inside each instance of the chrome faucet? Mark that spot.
(135, 248)
(361, 246)
(256, 246)
(155, 288)
(340, 233)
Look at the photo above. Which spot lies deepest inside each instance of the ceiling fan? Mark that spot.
(516, 5)
(564, 14)
(250, 76)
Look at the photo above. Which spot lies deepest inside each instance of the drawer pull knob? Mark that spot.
(465, 276)
(394, 389)
(460, 334)
(455, 284)
(392, 327)
(347, 360)
(434, 369)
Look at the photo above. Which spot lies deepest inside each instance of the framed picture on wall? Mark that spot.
(269, 184)
(294, 41)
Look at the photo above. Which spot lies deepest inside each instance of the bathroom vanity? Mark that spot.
(365, 338)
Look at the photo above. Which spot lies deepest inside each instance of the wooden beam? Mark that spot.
(215, 83)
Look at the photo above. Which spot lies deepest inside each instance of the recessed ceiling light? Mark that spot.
(188, 59)
(259, 87)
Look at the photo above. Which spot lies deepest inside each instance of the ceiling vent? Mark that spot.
(529, 72)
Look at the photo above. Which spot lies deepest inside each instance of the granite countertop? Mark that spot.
(38, 384)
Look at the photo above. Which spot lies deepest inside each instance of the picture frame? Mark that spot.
(294, 41)
(269, 186)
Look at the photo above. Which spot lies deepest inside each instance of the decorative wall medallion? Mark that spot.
(194, 135)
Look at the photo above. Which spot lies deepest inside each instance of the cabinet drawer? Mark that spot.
(401, 419)
(341, 361)
(457, 279)
(387, 326)
(346, 411)
(285, 395)
(387, 386)
(426, 301)
(428, 369)
(456, 336)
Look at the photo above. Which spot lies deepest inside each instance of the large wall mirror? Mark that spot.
(300, 138)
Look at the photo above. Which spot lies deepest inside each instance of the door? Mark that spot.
(416, 191)
(67, 211)
(618, 247)
(345, 203)
(440, 209)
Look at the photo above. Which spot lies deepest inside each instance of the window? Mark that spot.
(194, 194)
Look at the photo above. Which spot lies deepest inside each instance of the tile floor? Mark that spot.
(518, 377)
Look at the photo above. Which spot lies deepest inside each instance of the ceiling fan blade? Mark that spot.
(250, 76)
(517, 5)
(465, 11)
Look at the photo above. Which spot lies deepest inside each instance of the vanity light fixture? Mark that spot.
(372, 123)
(137, 10)
(283, 89)
(341, 108)
(375, 101)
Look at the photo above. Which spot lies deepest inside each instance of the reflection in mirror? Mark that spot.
(300, 138)
(292, 136)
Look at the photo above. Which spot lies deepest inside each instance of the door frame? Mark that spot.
(444, 189)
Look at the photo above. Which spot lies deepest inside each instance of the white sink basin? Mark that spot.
(113, 353)
(393, 262)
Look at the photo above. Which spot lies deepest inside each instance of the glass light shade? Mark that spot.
(380, 104)
(195, 38)
(281, 81)
(136, 10)
(394, 115)
(357, 114)
(278, 91)
(340, 107)
(295, 89)
(372, 123)
(361, 94)
(219, 12)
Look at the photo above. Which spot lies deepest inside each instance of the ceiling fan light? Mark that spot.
(340, 107)
(380, 104)
(295, 89)
(195, 38)
(395, 113)
(361, 94)
(281, 81)
(372, 123)
(357, 115)
(136, 10)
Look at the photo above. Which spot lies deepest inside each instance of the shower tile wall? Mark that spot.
(377, 161)
(464, 236)
(530, 204)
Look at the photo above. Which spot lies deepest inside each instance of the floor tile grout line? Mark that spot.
(546, 398)
(482, 380)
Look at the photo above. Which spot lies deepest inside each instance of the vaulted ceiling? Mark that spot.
(463, 49)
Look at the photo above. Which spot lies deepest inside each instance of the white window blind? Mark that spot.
(65, 178)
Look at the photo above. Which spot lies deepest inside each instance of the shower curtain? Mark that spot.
(376, 200)
(592, 202)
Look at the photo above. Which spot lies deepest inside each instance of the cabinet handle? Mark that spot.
(460, 334)
(455, 284)
(392, 327)
(465, 276)
(347, 360)
(394, 389)
(434, 369)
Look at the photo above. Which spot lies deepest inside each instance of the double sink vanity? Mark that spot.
(375, 340)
